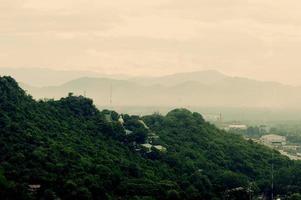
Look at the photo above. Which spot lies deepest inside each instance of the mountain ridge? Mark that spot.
(214, 91)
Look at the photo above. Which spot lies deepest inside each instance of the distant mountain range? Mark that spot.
(203, 77)
(203, 88)
(41, 77)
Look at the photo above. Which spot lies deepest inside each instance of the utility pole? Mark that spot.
(272, 186)
(250, 190)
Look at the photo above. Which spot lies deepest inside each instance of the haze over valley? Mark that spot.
(205, 91)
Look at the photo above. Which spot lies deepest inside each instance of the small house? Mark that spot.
(147, 147)
(160, 148)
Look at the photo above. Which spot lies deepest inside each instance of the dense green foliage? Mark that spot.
(71, 151)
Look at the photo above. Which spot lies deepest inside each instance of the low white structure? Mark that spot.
(291, 147)
(34, 188)
(128, 132)
(147, 147)
(143, 123)
(273, 139)
(237, 126)
(120, 120)
(160, 148)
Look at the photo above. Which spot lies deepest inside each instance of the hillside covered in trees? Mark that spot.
(68, 149)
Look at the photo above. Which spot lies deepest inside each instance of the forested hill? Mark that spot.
(68, 149)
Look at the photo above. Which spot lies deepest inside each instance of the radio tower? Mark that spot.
(220, 117)
(111, 108)
(111, 94)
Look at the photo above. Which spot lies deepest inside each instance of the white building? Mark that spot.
(160, 148)
(147, 147)
(273, 139)
(237, 126)
(120, 120)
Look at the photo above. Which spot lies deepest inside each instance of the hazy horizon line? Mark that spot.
(129, 76)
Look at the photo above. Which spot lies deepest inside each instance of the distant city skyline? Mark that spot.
(258, 39)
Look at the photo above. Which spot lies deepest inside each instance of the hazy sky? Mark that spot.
(256, 38)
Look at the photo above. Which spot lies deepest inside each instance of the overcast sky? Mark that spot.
(255, 38)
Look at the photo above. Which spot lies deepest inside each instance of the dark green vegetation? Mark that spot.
(70, 150)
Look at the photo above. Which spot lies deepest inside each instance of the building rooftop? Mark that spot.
(237, 126)
(159, 147)
(147, 145)
(273, 137)
(128, 132)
